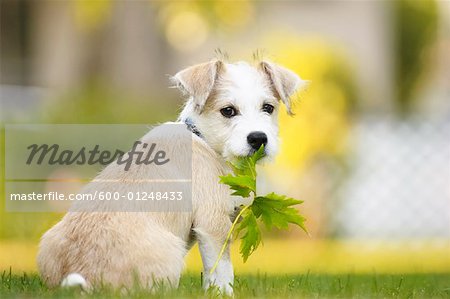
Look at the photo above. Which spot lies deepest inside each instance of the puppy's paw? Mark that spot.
(224, 289)
(221, 280)
(227, 290)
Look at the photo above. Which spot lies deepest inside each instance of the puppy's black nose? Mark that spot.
(256, 139)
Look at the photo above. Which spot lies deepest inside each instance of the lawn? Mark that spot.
(298, 256)
(394, 270)
(259, 286)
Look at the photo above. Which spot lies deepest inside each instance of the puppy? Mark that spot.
(231, 110)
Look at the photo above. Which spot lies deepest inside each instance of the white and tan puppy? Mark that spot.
(232, 110)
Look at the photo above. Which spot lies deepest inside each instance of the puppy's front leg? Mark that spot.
(211, 236)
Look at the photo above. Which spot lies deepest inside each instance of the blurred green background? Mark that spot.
(367, 150)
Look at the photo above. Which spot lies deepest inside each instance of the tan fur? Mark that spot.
(284, 82)
(198, 80)
(118, 248)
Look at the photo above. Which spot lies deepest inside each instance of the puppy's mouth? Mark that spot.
(246, 153)
(252, 151)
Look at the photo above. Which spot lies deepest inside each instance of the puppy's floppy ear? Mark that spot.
(284, 82)
(198, 81)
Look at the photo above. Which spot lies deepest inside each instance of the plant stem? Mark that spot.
(224, 246)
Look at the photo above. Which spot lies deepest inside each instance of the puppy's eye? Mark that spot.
(268, 108)
(228, 111)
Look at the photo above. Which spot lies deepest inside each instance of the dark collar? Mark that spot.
(192, 127)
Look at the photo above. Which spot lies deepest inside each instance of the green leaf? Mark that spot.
(242, 185)
(243, 181)
(252, 234)
(275, 211)
(246, 166)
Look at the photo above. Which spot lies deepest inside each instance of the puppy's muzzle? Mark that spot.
(256, 139)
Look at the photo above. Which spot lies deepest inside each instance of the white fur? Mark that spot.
(247, 89)
(115, 248)
(223, 275)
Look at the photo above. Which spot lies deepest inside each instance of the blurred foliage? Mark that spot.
(99, 104)
(91, 14)
(20, 225)
(91, 104)
(199, 18)
(416, 25)
(321, 122)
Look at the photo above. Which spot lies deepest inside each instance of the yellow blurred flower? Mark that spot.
(233, 14)
(193, 33)
(188, 24)
(90, 14)
(321, 122)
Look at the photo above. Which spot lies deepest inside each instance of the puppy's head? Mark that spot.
(235, 106)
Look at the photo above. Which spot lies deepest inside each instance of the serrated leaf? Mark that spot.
(275, 211)
(242, 185)
(251, 237)
(240, 181)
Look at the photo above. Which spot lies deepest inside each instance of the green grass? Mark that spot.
(258, 286)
